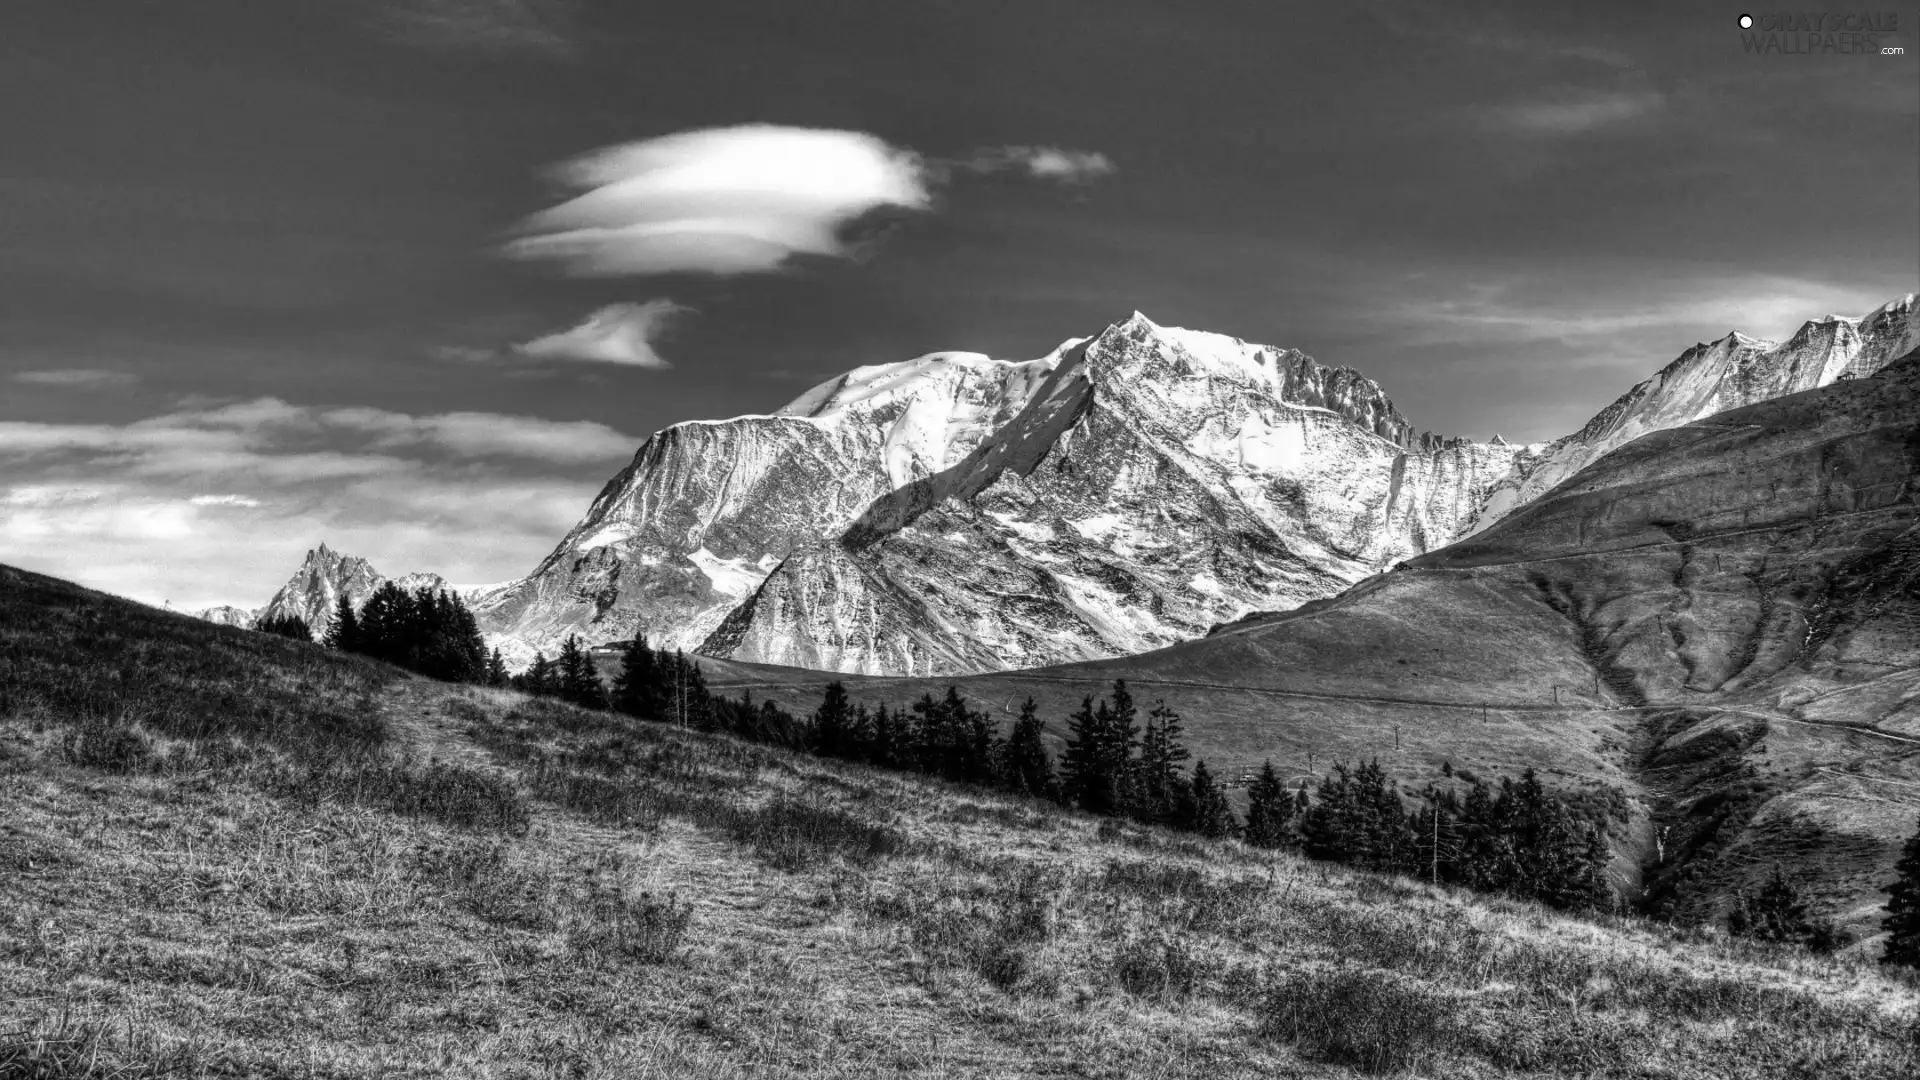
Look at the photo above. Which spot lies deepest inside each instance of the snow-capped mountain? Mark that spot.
(707, 509)
(226, 615)
(955, 513)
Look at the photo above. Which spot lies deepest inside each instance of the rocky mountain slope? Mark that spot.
(1163, 481)
(313, 592)
(1711, 630)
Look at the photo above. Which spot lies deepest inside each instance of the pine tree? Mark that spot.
(1026, 767)
(286, 626)
(496, 669)
(538, 678)
(973, 739)
(1211, 816)
(344, 634)
(578, 682)
(1158, 790)
(1903, 908)
(832, 726)
(1080, 766)
(886, 748)
(1776, 913)
(636, 689)
(1269, 810)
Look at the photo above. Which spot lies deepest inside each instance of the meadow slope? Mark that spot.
(226, 854)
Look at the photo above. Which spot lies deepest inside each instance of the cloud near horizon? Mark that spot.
(76, 378)
(622, 334)
(215, 503)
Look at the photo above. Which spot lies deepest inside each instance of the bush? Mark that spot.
(1366, 1020)
(447, 793)
(109, 747)
(1157, 969)
(477, 875)
(644, 929)
(795, 835)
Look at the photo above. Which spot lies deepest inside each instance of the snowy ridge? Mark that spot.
(959, 513)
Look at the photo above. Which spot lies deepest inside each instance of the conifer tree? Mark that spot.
(831, 732)
(1776, 913)
(578, 682)
(286, 626)
(538, 678)
(1158, 790)
(635, 687)
(973, 739)
(496, 669)
(1903, 908)
(1269, 810)
(1080, 764)
(344, 634)
(886, 747)
(1026, 767)
(1211, 816)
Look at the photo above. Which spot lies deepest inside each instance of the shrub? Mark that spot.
(793, 835)
(1366, 1020)
(477, 875)
(447, 793)
(109, 747)
(644, 929)
(1157, 969)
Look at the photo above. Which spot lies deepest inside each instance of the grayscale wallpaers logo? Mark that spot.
(1805, 33)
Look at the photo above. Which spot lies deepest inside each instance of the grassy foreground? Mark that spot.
(223, 854)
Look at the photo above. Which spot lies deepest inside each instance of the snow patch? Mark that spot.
(732, 577)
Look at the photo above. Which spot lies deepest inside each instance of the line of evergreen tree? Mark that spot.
(1518, 839)
(286, 626)
(430, 631)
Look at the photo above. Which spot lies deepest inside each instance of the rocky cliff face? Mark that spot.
(313, 592)
(707, 509)
(955, 513)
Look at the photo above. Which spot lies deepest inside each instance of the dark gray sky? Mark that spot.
(251, 250)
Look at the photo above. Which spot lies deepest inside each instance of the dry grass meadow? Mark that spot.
(224, 854)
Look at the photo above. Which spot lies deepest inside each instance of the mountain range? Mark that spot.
(955, 514)
(1710, 632)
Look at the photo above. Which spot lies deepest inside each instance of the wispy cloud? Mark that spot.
(224, 500)
(1572, 110)
(533, 27)
(1041, 162)
(616, 334)
(720, 201)
(77, 378)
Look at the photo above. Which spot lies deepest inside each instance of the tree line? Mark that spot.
(1516, 838)
(427, 630)
(1513, 837)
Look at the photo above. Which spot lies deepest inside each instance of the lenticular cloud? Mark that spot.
(720, 201)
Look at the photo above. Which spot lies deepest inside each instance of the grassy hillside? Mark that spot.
(223, 854)
(1714, 627)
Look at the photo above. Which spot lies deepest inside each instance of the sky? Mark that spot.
(416, 277)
